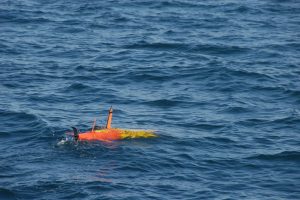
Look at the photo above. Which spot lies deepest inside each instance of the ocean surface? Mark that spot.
(219, 82)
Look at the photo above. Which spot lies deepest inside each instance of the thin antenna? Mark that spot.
(100, 112)
(109, 118)
(94, 124)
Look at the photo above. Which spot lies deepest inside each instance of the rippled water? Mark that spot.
(218, 81)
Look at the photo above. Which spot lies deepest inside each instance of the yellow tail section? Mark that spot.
(129, 134)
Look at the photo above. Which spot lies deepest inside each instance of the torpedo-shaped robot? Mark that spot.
(108, 133)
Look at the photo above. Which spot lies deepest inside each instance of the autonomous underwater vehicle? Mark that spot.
(108, 133)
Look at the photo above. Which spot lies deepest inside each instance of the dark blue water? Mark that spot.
(218, 80)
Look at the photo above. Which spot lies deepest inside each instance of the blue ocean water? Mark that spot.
(217, 80)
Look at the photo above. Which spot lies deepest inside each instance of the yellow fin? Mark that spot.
(128, 134)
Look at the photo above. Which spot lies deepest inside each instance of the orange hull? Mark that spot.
(110, 134)
(104, 135)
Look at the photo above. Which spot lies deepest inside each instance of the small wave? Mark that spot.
(200, 48)
(181, 4)
(93, 72)
(166, 103)
(158, 45)
(185, 156)
(283, 156)
(134, 168)
(9, 50)
(247, 74)
(293, 119)
(76, 195)
(15, 116)
(220, 140)
(219, 49)
(7, 194)
(243, 9)
(71, 30)
(148, 77)
(236, 109)
(288, 120)
(19, 18)
(95, 25)
(22, 123)
(293, 93)
(204, 126)
(268, 89)
(78, 87)
(289, 46)
(4, 134)
(62, 142)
